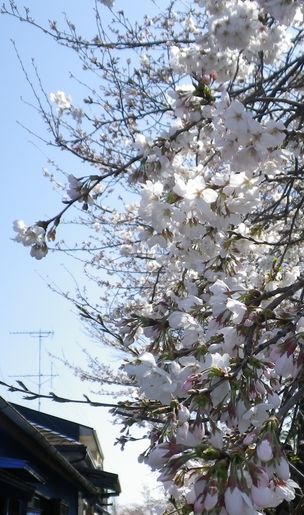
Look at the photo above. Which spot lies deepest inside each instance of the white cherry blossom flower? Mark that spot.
(61, 99)
(285, 490)
(236, 119)
(179, 319)
(237, 308)
(39, 251)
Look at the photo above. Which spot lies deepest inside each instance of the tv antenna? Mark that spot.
(39, 335)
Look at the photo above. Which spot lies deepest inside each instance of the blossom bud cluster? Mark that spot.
(217, 454)
(61, 99)
(64, 105)
(33, 236)
(83, 190)
(236, 26)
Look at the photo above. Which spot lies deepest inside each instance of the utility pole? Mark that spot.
(39, 335)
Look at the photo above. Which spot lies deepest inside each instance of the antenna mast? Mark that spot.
(39, 335)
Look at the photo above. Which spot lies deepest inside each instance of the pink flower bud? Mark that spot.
(211, 498)
(262, 496)
(264, 451)
(213, 74)
(237, 502)
(262, 477)
(282, 469)
(216, 439)
(249, 438)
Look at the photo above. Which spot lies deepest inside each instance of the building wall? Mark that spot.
(58, 486)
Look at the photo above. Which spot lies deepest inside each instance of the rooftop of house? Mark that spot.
(56, 438)
(59, 431)
(73, 447)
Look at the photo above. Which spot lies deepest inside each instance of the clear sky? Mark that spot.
(27, 304)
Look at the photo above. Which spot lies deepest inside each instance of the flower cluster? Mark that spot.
(61, 99)
(85, 191)
(220, 452)
(33, 236)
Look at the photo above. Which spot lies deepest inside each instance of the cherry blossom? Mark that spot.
(237, 502)
(264, 451)
(61, 99)
(33, 236)
(195, 202)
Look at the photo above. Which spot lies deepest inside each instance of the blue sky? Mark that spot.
(27, 304)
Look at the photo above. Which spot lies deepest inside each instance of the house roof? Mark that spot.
(55, 438)
(79, 432)
(46, 448)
